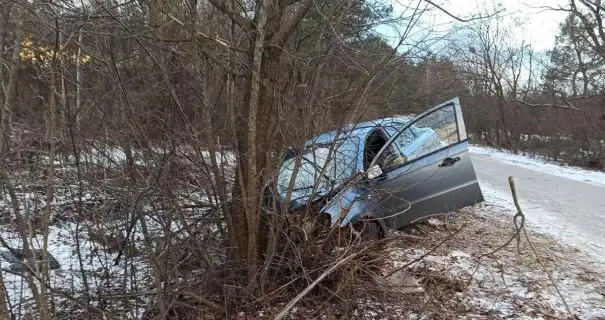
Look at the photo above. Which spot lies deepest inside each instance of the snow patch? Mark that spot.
(508, 292)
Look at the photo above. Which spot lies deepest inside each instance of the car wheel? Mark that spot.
(369, 230)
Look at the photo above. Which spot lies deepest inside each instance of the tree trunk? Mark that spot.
(5, 111)
(78, 110)
(246, 195)
(3, 301)
(255, 125)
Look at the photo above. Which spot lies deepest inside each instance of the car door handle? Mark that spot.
(448, 162)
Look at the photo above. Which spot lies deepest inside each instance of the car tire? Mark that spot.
(369, 230)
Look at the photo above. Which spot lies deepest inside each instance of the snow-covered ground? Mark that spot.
(86, 243)
(565, 203)
(463, 277)
(96, 264)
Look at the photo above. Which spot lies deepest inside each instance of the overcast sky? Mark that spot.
(527, 20)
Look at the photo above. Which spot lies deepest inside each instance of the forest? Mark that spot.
(137, 138)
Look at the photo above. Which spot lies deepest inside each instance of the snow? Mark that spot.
(62, 245)
(571, 226)
(561, 203)
(542, 165)
(507, 289)
(96, 252)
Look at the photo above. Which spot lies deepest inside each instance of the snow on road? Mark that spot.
(541, 165)
(565, 202)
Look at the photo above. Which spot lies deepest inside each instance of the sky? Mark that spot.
(527, 20)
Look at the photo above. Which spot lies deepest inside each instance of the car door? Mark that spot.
(426, 168)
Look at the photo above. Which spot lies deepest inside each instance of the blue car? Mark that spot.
(387, 173)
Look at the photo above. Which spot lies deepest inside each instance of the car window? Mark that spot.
(320, 168)
(428, 134)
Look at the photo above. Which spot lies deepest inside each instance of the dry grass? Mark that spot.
(460, 282)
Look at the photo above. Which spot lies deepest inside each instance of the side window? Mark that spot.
(442, 122)
(428, 134)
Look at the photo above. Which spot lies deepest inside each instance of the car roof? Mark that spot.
(360, 130)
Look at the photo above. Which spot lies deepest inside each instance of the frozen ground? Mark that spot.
(565, 202)
(459, 269)
(86, 241)
(509, 283)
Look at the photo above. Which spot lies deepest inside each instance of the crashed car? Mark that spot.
(388, 172)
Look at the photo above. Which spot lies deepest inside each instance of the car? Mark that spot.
(385, 173)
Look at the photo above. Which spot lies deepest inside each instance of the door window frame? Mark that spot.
(462, 136)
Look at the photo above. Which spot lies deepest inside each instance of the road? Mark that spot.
(570, 210)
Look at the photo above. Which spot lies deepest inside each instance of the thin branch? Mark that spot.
(293, 302)
(513, 190)
(216, 39)
(461, 19)
(427, 253)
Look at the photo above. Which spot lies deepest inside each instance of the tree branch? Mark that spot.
(234, 16)
(458, 18)
(548, 105)
(221, 42)
(290, 25)
(282, 314)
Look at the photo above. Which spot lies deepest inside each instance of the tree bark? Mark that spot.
(248, 187)
(6, 111)
(256, 123)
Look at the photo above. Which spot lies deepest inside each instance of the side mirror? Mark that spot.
(374, 172)
(394, 160)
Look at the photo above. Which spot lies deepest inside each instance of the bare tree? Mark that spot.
(12, 14)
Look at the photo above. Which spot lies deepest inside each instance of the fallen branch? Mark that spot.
(568, 106)
(552, 280)
(518, 226)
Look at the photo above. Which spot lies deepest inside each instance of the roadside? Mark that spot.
(459, 279)
(456, 280)
(471, 276)
(540, 164)
(461, 282)
(561, 201)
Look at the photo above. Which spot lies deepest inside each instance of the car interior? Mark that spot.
(374, 142)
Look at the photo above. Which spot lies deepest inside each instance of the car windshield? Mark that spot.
(319, 169)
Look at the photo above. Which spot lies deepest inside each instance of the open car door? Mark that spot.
(424, 169)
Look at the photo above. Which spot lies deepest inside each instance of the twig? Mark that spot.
(204, 301)
(458, 18)
(518, 226)
(310, 287)
(216, 39)
(233, 15)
